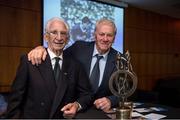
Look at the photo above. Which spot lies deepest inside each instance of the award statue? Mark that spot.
(122, 84)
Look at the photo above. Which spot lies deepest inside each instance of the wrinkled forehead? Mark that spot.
(106, 24)
(105, 28)
(58, 25)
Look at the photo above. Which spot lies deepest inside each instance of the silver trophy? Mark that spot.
(123, 84)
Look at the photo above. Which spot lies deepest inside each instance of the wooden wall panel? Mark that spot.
(19, 27)
(20, 31)
(153, 41)
(34, 5)
(9, 63)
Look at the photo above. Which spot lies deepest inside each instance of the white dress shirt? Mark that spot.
(102, 63)
(52, 57)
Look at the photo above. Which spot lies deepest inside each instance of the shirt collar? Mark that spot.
(52, 55)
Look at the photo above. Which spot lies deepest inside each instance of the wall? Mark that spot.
(20, 31)
(153, 41)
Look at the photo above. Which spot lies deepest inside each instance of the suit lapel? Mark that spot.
(88, 57)
(47, 73)
(61, 87)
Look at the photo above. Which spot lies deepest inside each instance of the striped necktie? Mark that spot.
(95, 74)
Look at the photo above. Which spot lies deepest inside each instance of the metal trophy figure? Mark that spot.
(123, 84)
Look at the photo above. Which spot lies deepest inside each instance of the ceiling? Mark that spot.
(164, 7)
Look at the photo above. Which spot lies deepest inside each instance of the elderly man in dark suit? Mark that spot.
(86, 53)
(38, 92)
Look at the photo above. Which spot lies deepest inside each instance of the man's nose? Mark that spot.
(106, 37)
(59, 36)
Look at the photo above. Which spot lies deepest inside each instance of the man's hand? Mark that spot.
(103, 104)
(37, 55)
(70, 110)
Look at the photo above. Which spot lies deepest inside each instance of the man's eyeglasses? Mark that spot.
(55, 33)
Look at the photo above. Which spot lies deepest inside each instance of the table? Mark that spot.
(169, 112)
(93, 113)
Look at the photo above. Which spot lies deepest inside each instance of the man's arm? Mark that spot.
(84, 88)
(70, 110)
(84, 94)
(103, 103)
(106, 103)
(37, 55)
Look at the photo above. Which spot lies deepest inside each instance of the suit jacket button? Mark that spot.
(42, 103)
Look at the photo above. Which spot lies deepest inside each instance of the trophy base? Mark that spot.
(125, 111)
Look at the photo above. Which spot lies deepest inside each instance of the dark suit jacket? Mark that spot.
(83, 51)
(36, 95)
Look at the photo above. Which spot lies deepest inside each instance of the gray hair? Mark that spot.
(106, 21)
(56, 19)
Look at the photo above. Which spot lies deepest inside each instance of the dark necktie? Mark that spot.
(95, 74)
(57, 69)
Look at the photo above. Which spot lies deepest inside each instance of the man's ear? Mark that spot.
(46, 37)
(94, 35)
